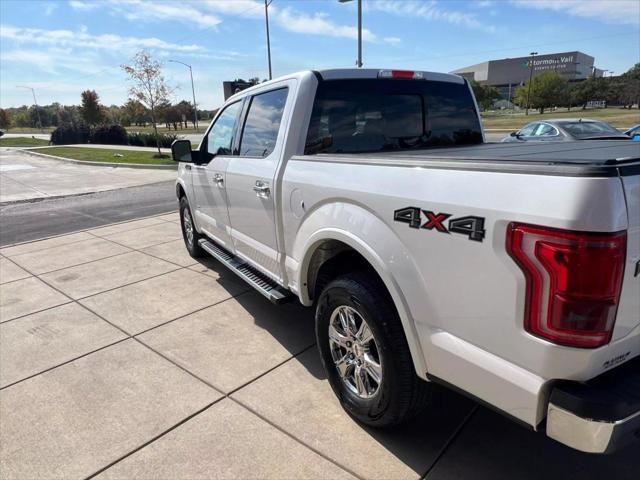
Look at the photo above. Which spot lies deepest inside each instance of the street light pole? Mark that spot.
(359, 60)
(35, 102)
(193, 91)
(533, 54)
(266, 17)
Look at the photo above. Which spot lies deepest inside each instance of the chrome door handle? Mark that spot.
(219, 179)
(262, 189)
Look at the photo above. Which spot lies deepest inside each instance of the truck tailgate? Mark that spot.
(628, 316)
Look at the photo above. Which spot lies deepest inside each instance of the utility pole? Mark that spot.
(266, 17)
(36, 104)
(533, 54)
(193, 91)
(359, 60)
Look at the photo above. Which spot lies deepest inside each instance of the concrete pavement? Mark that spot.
(24, 177)
(123, 357)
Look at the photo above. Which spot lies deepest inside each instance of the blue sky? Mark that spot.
(62, 47)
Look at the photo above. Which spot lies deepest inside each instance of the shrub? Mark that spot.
(112, 135)
(68, 133)
(149, 139)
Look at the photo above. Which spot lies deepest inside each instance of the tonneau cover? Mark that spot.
(592, 152)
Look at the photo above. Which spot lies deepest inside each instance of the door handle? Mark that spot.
(219, 179)
(262, 189)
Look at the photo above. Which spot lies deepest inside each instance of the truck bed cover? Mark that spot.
(580, 158)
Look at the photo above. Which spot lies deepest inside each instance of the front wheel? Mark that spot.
(189, 233)
(365, 353)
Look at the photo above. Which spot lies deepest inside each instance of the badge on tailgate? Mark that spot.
(471, 226)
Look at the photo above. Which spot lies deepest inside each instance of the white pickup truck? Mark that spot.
(508, 272)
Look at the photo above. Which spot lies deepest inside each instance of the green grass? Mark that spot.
(106, 155)
(22, 142)
(29, 130)
(510, 120)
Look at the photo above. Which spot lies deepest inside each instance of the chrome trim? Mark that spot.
(586, 435)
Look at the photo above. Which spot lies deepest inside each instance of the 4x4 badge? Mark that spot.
(471, 226)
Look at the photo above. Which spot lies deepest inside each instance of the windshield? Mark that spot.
(588, 129)
(373, 115)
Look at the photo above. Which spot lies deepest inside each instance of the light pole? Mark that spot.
(533, 54)
(266, 19)
(193, 91)
(35, 102)
(359, 61)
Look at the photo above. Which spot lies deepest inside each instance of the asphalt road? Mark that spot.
(23, 222)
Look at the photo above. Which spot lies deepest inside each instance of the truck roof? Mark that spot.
(346, 74)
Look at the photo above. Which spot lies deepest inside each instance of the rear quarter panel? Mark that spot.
(464, 299)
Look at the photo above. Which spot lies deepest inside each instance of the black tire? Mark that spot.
(400, 394)
(193, 247)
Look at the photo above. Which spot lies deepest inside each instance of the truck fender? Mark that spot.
(352, 224)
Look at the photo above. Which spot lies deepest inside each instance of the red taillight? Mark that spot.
(407, 74)
(573, 282)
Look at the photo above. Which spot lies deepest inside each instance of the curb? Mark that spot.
(102, 164)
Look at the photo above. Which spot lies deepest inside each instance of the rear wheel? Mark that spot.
(189, 232)
(365, 353)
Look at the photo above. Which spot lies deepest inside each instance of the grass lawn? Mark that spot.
(22, 142)
(106, 155)
(618, 117)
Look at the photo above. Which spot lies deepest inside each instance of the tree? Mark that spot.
(134, 112)
(547, 89)
(148, 86)
(485, 94)
(5, 119)
(91, 111)
(186, 109)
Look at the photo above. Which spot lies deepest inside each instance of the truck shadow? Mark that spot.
(454, 437)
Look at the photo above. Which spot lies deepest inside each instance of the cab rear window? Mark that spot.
(374, 115)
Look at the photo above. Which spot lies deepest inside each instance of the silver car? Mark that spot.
(565, 130)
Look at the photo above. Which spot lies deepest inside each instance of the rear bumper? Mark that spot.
(599, 416)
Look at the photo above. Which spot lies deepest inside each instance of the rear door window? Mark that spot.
(371, 115)
(263, 123)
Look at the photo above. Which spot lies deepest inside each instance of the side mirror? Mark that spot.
(181, 151)
(515, 134)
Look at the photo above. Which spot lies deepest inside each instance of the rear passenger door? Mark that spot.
(250, 180)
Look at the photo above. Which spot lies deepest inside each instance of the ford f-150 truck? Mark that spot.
(508, 272)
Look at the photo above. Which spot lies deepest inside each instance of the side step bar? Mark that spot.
(258, 280)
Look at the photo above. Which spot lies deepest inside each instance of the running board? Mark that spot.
(258, 280)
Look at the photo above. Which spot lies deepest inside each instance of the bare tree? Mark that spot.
(149, 86)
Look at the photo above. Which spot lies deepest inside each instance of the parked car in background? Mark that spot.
(1, 133)
(634, 132)
(565, 130)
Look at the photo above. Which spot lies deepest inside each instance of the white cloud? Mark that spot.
(83, 39)
(318, 24)
(80, 5)
(430, 10)
(144, 10)
(609, 11)
(392, 40)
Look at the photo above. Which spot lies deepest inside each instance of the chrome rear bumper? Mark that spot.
(591, 436)
(598, 416)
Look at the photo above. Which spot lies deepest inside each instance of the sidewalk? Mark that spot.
(24, 177)
(124, 357)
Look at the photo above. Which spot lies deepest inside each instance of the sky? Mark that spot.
(61, 48)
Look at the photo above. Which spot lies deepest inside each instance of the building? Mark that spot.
(509, 73)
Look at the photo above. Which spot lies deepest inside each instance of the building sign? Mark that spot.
(555, 63)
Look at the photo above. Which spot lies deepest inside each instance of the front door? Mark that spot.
(250, 180)
(212, 215)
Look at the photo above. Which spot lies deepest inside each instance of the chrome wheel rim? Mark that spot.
(188, 225)
(355, 352)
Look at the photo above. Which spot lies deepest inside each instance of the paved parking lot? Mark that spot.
(25, 177)
(121, 357)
